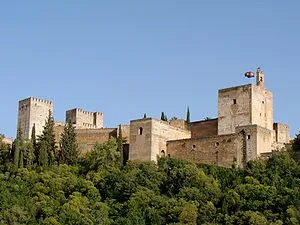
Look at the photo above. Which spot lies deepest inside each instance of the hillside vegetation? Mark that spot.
(99, 190)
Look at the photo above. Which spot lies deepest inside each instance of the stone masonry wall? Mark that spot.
(262, 107)
(140, 139)
(33, 111)
(148, 138)
(204, 128)
(234, 108)
(220, 150)
(84, 119)
(163, 132)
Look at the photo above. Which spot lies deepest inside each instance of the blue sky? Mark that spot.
(127, 58)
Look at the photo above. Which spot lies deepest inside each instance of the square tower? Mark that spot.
(84, 119)
(33, 111)
(245, 105)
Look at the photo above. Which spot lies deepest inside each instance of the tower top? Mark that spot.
(260, 77)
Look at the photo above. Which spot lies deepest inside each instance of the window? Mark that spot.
(217, 144)
(234, 101)
(263, 102)
(140, 130)
(162, 153)
(248, 137)
(194, 146)
(169, 155)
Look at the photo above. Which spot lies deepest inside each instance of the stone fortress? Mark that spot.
(244, 129)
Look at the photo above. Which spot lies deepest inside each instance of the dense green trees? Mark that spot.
(68, 144)
(98, 189)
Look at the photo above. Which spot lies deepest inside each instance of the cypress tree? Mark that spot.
(17, 145)
(69, 145)
(188, 116)
(120, 144)
(34, 144)
(145, 116)
(47, 153)
(162, 117)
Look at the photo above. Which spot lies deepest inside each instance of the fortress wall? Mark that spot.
(262, 107)
(140, 139)
(87, 138)
(204, 128)
(220, 150)
(163, 132)
(234, 108)
(282, 133)
(178, 123)
(125, 132)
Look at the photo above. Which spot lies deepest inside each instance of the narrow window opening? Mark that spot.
(169, 155)
(263, 102)
(234, 101)
(141, 131)
(248, 137)
(194, 146)
(217, 144)
(162, 153)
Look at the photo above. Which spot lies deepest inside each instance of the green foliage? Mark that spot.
(188, 116)
(68, 145)
(99, 190)
(46, 144)
(145, 116)
(163, 116)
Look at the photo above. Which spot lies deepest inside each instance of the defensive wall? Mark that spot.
(148, 138)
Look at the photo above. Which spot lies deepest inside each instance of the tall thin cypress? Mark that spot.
(68, 144)
(47, 148)
(188, 116)
(120, 144)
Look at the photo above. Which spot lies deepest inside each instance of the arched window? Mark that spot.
(140, 130)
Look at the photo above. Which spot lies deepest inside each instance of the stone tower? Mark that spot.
(33, 111)
(85, 120)
(260, 79)
(245, 105)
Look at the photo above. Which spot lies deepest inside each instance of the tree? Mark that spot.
(120, 144)
(46, 142)
(188, 116)
(145, 116)
(34, 143)
(17, 148)
(69, 145)
(163, 116)
(4, 152)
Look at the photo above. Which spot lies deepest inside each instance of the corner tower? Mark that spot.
(33, 111)
(245, 105)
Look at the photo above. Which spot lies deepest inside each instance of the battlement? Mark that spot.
(86, 112)
(85, 119)
(32, 99)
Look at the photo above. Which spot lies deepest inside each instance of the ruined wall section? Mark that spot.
(221, 150)
(83, 119)
(204, 128)
(33, 111)
(262, 107)
(234, 108)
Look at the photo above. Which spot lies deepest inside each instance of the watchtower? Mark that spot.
(85, 120)
(245, 105)
(33, 111)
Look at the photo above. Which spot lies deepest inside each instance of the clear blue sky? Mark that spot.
(127, 58)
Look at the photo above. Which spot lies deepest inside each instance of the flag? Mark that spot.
(249, 74)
